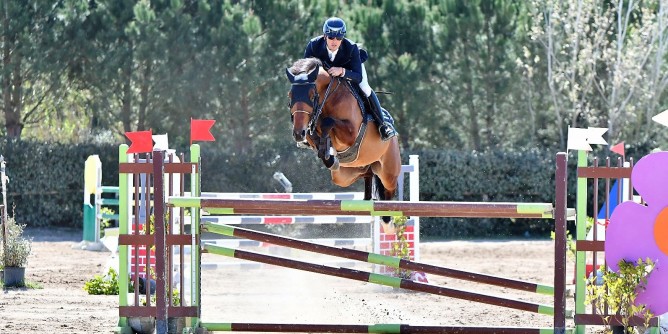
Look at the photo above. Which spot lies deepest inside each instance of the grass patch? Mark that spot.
(26, 285)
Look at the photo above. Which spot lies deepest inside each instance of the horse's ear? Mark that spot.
(314, 74)
(291, 76)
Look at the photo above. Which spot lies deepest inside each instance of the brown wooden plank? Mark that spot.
(131, 239)
(136, 311)
(615, 320)
(181, 167)
(149, 311)
(183, 311)
(342, 328)
(135, 168)
(590, 246)
(179, 240)
(605, 172)
(146, 167)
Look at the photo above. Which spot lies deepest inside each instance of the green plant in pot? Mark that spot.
(14, 253)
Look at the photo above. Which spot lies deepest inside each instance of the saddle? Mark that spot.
(365, 104)
(362, 100)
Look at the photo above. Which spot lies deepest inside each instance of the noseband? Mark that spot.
(316, 107)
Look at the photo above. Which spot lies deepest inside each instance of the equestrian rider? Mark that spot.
(342, 59)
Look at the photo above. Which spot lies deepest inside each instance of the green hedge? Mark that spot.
(519, 176)
(46, 181)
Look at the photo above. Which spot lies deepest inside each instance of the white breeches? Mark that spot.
(364, 85)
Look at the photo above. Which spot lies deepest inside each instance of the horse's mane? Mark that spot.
(305, 65)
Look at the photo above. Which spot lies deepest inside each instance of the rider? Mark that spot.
(342, 59)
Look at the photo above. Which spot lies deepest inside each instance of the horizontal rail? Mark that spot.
(390, 261)
(109, 216)
(612, 320)
(339, 195)
(603, 172)
(374, 208)
(278, 220)
(109, 189)
(109, 201)
(378, 328)
(396, 282)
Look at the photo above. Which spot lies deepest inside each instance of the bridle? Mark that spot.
(310, 102)
(316, 106)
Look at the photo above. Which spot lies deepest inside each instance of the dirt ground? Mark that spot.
(237, 293)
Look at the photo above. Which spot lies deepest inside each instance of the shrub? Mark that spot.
(103, 284)
(17, 246)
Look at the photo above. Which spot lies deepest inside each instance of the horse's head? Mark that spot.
(303, 95)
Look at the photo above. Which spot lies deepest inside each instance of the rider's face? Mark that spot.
(333, 43)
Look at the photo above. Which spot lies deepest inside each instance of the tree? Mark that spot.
(474, 39)
(598, 57)
(33, 61)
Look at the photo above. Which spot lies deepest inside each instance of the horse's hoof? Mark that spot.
(303, 144)
(418, 276)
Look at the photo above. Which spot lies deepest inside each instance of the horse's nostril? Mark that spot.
(298, 135)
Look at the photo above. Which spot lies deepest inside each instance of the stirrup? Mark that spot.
(386, 131)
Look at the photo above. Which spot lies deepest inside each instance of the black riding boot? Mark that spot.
(386, 129)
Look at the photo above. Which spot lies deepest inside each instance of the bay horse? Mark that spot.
(327, 117)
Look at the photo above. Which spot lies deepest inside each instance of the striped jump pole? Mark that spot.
(378, 328)
(373, 258)
(286, 220)
(363, 276)
(332, 195)
(362, 207)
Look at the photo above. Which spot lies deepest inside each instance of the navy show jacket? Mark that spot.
(349, 56)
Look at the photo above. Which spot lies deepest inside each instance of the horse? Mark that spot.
(327, 118)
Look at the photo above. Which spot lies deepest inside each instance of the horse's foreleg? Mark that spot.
(325, 145)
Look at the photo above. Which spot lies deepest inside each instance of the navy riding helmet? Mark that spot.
(334, 27)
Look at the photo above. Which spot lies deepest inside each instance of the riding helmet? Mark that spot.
(334, 27)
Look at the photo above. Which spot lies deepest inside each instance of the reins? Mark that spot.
(318, 106)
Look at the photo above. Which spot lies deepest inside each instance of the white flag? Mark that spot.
(577, 139)
(595, 136)
(661, 118)
(161, 142)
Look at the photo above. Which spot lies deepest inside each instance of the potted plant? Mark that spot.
(14, 253)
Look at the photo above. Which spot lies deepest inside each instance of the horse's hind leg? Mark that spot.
(388, 170)
(368, 187)
(384, 195)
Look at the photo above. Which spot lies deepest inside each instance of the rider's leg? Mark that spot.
(386, 129)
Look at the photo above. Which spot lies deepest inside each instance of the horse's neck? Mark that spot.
(322, 81)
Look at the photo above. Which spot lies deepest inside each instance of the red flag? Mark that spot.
(619, 149)
(200, 129)
(140, 141)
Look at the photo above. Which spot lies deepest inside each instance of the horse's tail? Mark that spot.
(378, 189)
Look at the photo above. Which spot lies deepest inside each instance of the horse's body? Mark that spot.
(338, 126)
